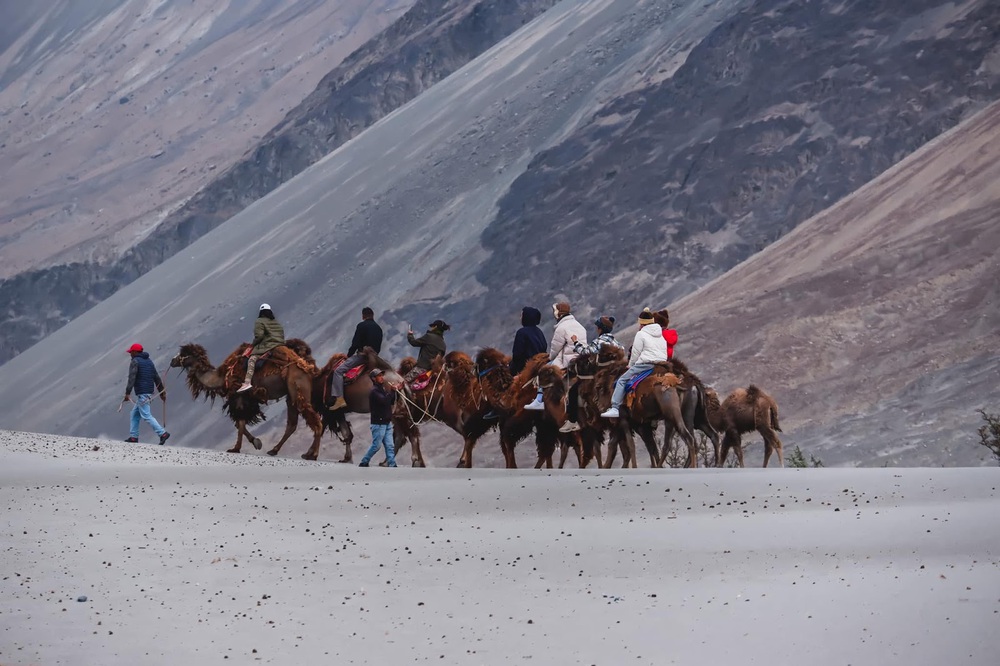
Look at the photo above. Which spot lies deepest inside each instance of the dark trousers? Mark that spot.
(573, 403)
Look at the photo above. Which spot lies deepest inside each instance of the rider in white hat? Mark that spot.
(267, 334)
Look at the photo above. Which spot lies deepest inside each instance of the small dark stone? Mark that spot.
(82, 598)
(123, 100)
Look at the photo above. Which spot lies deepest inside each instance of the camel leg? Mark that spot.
(614, 441)
(771, 443)
(629, 451)
(291, 423)
(578, 448)
(239, 437)
(417, 457)
(714, 437)
(646, 434)
(563, 453)
(315, 424)
(346, 435)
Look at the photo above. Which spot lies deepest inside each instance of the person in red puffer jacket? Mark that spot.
(662, 317)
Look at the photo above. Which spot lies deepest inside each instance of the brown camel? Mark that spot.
(286, 375)
(593, 429)
(656, 398)
(454, 398)
(743, 411)
(507, 397)
(694, 407)
(356, 394)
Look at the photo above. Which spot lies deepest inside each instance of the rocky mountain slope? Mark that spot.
(429, 42)
(116, 111)
(876, 324)
(558, 164)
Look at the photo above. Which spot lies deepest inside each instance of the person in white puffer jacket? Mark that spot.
(562, 350)
(648, 348)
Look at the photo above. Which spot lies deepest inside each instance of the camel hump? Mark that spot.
(753, 392)
(407, 364)
(668, 380)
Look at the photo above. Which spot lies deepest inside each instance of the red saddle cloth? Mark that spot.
(354, 373)
(421, 381)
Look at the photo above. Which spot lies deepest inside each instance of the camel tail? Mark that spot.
(774, 418)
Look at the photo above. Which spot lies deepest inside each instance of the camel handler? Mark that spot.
(604, 325)
(648, 348)
(431, 345)
(267, 334)
(366, 334)
(561, 351)
(143, 377)
(380, 400)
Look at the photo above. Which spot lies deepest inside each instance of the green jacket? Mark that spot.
(431, 344)
(267, 334)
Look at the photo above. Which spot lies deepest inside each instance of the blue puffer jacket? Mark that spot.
(142, 376)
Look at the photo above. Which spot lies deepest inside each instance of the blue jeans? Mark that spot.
(619, 395)
(140, 410)
(381, 434)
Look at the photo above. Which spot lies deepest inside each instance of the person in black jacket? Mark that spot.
(528, 341)
(367, 334)
(143, 378)
(380, 401)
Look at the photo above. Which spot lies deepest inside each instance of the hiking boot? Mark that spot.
(164, 437)
(536, 405)
(610, 414)
(338, 404)
(132, 440)
(363, 463)
(245, 387)
(569, 426)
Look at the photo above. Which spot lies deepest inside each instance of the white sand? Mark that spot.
(193, 557)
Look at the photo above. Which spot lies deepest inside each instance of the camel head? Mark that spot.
(609, 355)
(489, 358)
(190, 356)
(583, 366)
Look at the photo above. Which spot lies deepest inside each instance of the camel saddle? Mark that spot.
(261, 360)
(351, 375)
(667, 380)
(421, 381)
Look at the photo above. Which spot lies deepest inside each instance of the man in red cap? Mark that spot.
(142, 377)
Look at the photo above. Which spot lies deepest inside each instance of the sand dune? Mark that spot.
(202, 558)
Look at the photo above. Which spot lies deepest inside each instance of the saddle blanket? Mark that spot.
(354, 373)
(421, 381)
(635, 381)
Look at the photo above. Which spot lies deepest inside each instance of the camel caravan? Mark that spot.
(589, 398)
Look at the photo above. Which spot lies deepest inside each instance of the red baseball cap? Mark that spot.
(135, 348)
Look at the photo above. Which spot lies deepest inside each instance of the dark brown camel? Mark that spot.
(286, 375)
(593, 429)
(453, 398)
(744, 411)
(507, 397)
(693, 406)
(656, 398)
(356, 394)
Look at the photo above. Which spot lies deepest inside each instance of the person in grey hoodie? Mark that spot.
(648, 348)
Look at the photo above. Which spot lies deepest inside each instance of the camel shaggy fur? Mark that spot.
(744, 411)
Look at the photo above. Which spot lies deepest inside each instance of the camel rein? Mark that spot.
(430, 400)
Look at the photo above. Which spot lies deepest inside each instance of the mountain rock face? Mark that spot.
(875, 324)
(429, 42)
(783, 110)
(614, 153)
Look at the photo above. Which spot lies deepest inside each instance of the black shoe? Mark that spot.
(132, 440)
(362, 464)
(164, 437)
(490, 416)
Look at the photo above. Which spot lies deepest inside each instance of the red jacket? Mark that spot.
(670, 335)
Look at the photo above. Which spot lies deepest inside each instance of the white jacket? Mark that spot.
(648, 346)
(561, 350)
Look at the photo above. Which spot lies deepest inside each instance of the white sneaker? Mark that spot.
(610, 414)
(535, 405)
(569, 426)
(245, 387)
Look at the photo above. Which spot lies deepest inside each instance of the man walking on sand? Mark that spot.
(142, 377)
(380, 402)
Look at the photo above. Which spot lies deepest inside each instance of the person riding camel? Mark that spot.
(267, 334)
(662, 318)
(648, 348)
(431, 345)
(528, 341)
(561, 351)
(604, 337)
(367, 334)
